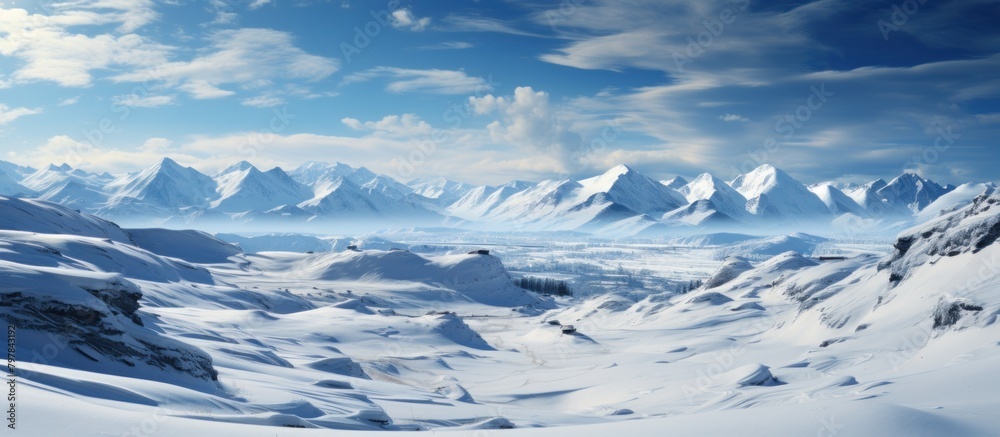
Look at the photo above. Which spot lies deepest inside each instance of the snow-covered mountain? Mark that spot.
(242, 187)
(774, 195)
(621, 201)
(718, 196)
(165, 185)
(631, 189)
(911, 192)
(10, 187)
(837, 202)
(15, 171)
(677, 183)
(343, 200)
(479, 201)
(442, 191)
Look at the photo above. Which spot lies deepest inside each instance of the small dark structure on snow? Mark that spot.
(479, 252)
(353, 247)
(568, 329)
(832, 258)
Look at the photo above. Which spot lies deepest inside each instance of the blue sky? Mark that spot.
(487, 92)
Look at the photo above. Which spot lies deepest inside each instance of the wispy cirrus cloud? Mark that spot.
(476, 23)
(448, 45)
(403, 80)
(263, 101)
(8, 114)
(144, 101)
(249, 58)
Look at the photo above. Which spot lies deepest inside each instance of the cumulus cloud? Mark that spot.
(404, 19)
(733, 117)
(62, 148)
(406, 125)
(528, 120)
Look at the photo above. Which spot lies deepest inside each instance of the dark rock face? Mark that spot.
(102, 326)
(948, 313)
(969, 230)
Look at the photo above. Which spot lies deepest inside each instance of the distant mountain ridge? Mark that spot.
(316, 195)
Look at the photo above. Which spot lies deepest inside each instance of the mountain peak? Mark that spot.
(619, 169)
(239, 166)
(168, 163)
(676, 183)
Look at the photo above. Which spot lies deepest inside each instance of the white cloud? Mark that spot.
(258, 3)
(733, 117)
(401, 80)
(223, 13)
(62, 148)
(69, 101)
(465, 23)
(406, 125)
(448, 45)
(50, 52)
(264, 101)
(404, 19)
(8, 114)
(527, 119)
(251, 58)
(203, 89)
(156, 145)
(137, 101)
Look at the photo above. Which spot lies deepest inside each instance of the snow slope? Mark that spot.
(394, 341)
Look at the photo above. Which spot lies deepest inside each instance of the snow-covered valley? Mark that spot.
(164, 332)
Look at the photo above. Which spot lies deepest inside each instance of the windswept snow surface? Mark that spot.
(222, 342)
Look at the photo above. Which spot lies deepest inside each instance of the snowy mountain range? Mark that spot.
(620, 201)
